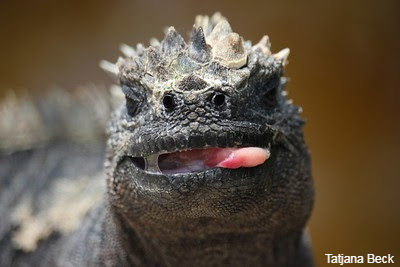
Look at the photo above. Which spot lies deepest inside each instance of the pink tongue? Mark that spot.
(200, 159)
(233, 158)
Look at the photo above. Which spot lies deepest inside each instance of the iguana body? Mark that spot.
(205, 166)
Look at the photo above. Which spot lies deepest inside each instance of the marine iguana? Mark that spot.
(206, 165)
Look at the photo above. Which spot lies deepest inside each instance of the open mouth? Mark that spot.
(197, 160)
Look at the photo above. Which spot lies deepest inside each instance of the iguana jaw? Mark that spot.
(198, 160)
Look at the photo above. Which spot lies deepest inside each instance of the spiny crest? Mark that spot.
(198, 49)
(227, 47)
(173, 43)
(212, 44)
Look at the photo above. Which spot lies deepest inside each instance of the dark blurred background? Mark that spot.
(344, 71)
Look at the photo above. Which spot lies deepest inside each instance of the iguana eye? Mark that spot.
(270, 90)
(132, 106)
(134, 100)
(218, 99)
(169, 101)
(270, 96)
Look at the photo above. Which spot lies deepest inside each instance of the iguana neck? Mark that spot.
(173, 246)
(251, 249)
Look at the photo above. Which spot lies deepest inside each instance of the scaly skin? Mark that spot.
(215, 91)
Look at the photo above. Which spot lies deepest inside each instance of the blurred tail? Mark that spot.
(28, 121)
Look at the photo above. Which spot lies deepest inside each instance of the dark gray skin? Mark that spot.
(193, 96)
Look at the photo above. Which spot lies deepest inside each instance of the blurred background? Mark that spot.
(344, 72)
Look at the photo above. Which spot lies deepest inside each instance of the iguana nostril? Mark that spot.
(169, 101)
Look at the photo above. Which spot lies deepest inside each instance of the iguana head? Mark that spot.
(189, 107)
